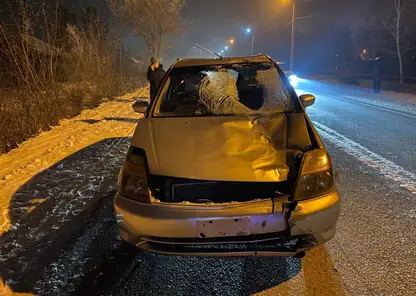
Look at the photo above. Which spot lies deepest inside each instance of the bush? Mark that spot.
(24, 115)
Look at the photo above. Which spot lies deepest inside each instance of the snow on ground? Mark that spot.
(396, 104)
(400, 101)
(51, 180)
(69, 266)
(387, 168)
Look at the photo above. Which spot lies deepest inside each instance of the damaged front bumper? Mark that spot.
(208, 230)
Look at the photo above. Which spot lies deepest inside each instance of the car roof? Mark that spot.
(189, 62)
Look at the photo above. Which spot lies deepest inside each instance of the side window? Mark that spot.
(164, 104)
(164, 95)
(181, 97)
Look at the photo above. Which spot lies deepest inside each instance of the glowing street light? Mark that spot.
(231, 41)
(226, 47)
(222, 50)
(292, 42)
(248, 31)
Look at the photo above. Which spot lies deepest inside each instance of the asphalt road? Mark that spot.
(373, 252)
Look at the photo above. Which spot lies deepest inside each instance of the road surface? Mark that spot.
(372, 140)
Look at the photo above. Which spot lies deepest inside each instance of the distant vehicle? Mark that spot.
(226, 162)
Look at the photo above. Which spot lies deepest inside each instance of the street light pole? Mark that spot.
(292, 43)
(250, 31)
(252, 44)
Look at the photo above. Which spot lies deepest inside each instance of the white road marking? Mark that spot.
(385, 167)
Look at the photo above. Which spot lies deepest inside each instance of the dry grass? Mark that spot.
(51, 71)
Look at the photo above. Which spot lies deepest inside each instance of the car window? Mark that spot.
(237, 89)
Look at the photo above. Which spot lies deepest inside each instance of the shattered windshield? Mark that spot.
(236, 89)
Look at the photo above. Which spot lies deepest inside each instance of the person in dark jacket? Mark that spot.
(155, 75)
(377, 74)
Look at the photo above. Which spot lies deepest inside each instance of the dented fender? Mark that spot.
(317, 216)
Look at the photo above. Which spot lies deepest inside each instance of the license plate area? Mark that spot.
(224, 227)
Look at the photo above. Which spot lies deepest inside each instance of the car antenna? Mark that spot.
(210, 51)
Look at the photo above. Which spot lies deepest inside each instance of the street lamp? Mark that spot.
(292, 41)
(248, 31)
(226, 47)
(231, 41)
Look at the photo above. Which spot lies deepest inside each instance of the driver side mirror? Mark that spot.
(141, 106)
(307, 100)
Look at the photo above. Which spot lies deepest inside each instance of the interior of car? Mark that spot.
(183, 95)
(249, 89)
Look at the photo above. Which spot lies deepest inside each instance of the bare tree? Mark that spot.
(150, 19)
(397, 18)
(370, 36)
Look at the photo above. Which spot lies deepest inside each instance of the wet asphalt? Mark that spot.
(373, 252)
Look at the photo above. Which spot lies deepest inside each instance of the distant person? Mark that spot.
(377, 73)
(155, 75)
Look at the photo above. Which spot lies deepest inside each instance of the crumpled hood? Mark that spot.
(226, 148)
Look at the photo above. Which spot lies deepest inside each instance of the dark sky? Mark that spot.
(212, 22)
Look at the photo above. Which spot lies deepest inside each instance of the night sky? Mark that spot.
(212, 22)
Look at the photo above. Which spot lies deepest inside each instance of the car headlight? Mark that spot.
(133, 178)
(316, 176)
(293, 79)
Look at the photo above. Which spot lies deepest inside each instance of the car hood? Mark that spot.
(217, 148)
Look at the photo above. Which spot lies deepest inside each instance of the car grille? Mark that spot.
(222, 247)
(257, 238)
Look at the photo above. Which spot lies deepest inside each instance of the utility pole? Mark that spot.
(292, 43)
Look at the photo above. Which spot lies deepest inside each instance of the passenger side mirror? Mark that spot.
(307, 100)
(141, 105)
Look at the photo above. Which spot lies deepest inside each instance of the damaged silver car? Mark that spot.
(226, 162)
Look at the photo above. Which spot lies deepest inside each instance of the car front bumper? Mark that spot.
(173, 228)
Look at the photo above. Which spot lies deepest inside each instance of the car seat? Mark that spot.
(250, 91)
